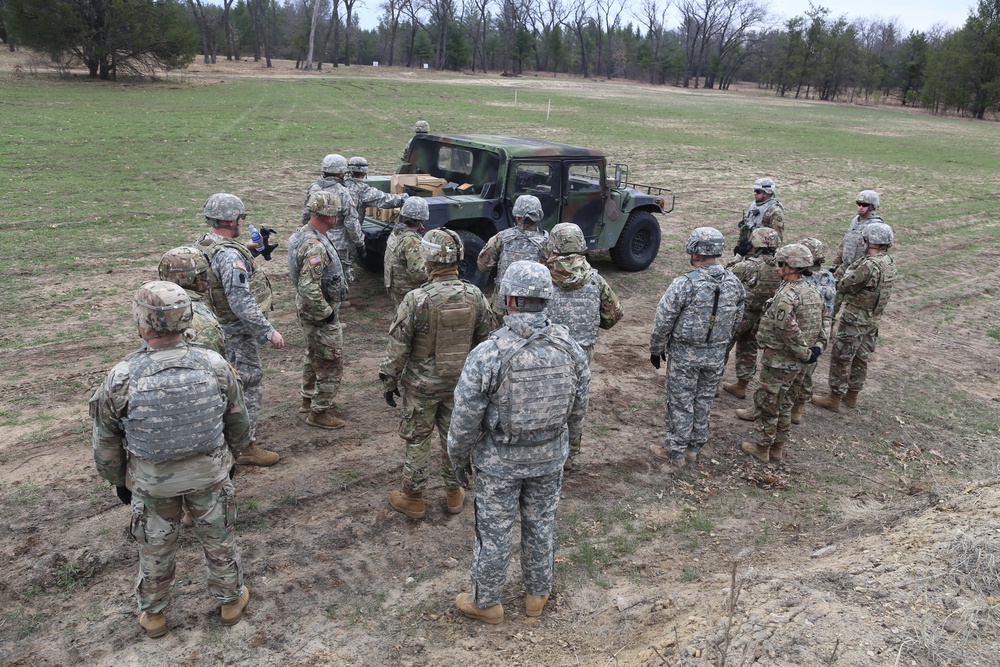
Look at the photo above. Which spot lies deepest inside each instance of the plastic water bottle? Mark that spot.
(256, 237)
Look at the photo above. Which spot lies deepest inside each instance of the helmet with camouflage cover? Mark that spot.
(765, 184)
(523, 279)
(877, 233)
(357, 165)
(415, 208)
(184, 266)
(421, 127)
(163, 307)
(566, 238)
(869, 197)
(795, 255)
(324, 202)
(223, 206)
(817, 248)
(443, 246)
(765, 237)
(705, 241)
(334, 163)
(528, 208)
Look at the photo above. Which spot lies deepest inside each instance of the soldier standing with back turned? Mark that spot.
(403, 266)
(188, 267)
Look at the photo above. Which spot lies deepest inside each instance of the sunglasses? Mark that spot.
(861, 203)
(759, 192)
(782, 264)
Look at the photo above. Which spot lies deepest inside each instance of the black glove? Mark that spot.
(362, 250)
(655, 360)
(389, 400)
(742, 248)
(265, 237)
(462, 474)
(232, 471)
(331, 317)
(124, 495)
(814, 353)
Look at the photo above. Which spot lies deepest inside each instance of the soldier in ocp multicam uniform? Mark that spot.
(523, 241)
(240, 295)
(320, 285)
(188, 267)
(695, 320)
(759, 274)
(346, 234)
(522, 396)
(765, 211)
(826, 285)
(365, 195)
(168, 424)
(403, 266)
(436, 326)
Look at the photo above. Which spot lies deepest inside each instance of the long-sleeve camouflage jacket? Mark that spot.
(349, 230)
(794, 321)
(365, 195)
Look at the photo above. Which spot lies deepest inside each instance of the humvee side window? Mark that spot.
(533, 179)
(454, 159)
(584, 178)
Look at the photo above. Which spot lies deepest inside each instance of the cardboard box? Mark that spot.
(430, 184)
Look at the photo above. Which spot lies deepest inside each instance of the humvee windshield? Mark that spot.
(455, 164)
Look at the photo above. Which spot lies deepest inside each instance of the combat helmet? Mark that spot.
(443, 246)
(765, 184)
(163, 307)
(223, 206)
(795, 255)
(357, 165)
(566, 238)
(529, 208)
(878, 233)
(765, 237)
(184, 266)
(817, 248)
(415, 208)
(334, 163)
(421, 127)
(869, 197)
(324, 202)
(523, 279)
(705, 241)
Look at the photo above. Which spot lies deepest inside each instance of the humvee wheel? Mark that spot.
(467, 269)
(639, 242)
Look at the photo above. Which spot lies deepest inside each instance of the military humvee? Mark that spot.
(472, 181)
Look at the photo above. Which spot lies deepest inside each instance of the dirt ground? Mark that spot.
(839, 557)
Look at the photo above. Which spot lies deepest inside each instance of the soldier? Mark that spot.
(792, 335)
(318, 278)
(435, 328)
(759, 274)
(521, 398)
(694, 322)
(826, 285)
(239, 294)
(404, 267)
(420, 127)
(365, 195)
(523, 241)
(852, 247)
(188, 267)
(168, 424)
(765, 211)
(865, 287)
(345, 234)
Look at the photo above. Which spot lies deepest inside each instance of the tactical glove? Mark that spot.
(814, 353)
(124, 494)
(462, 474)
(362, 251)
(389, 400)
(232, 471)
(655, 360)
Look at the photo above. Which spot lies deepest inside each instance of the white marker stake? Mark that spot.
(548, 111)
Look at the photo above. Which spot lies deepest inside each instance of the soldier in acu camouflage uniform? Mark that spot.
(792, 335)
(403, 263)
(345, 234)
(188, 267)
(694, 322)
(865, 288)
(765, 211)
(320, 285)
(826, 285)
(168, 424)
(435, 328)
(523, 241)
(759, 274)
(239, 294)
(365, 195)
(852, 248)
(420, 127)
(521, 398)
(582, 300)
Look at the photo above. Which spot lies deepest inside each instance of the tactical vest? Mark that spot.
(708, 318)
(765, 283)
(392, 269)
(518, 245)
(535, 395)
(449, 333)
(175, 407)
(872, 299)
(808, 309)
(335, 288)
(260, 286)
(826, 285)
(754, 218)
(579, 310)
(853, 247)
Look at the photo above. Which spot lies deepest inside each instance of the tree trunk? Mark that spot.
(312, 34)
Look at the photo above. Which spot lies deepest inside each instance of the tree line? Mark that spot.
(715, 43)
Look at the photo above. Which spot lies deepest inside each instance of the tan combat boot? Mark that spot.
(851, 398)
(467, 605)
(739, 390)
(691, 456)
(759, 452)
(746, 414)
(410, 504)
(324, 419)
(456, 498)
(797, 412)
(155, 624)
(831, 402)
(257, 456)
(232, 613)
(775, 453)
(306, 405)
(660, 452)
(533, 604)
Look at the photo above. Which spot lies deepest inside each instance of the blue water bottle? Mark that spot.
(255, 237)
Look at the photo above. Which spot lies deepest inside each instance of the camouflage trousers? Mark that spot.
(773, 402)
(802, 390)
(693, 375)
(497, 503)
(323, 363)
(849, 358)
(244, 355)
(156, 526)
(576, 442)
(421, 415)
(745, 342)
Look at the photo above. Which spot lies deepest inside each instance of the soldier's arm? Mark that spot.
(235, 421)
(413, 259)
(351, 222)
(582, 394)
(107, 408)
(232, 270)
(856, 278)
(472, 398)
(410, 315)
(775, 219)
(313, 260)
(484, 319)
(489, 255)
(372, 196)
(740, 306)
(667, 311)
(791, 334)
(611, 308)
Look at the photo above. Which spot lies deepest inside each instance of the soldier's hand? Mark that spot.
(814, 353)
(405, 196)
(362, 250)
(389, 400)
(655, 360)
(462, 474)
(232, 471)
(277, 342)
(124, 494)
